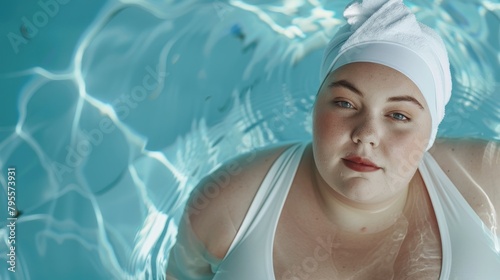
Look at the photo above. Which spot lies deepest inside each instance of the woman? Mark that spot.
(372, 196)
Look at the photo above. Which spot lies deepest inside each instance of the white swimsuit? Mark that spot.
(469, 249)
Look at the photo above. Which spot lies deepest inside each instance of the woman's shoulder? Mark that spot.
(474, 167)
(218, 204)
(479, 158)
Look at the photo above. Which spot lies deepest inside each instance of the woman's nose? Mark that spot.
(366, 132)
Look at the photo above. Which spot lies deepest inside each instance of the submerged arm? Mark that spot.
(189, 258)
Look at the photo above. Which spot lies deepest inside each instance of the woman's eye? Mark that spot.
(344, 104)
(399, 117)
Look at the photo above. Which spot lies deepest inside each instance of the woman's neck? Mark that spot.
(355, 217)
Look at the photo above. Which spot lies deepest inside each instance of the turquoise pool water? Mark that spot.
(112, 111)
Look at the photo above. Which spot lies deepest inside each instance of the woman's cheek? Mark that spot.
(327, 124)
(406, 153)
(323, 127)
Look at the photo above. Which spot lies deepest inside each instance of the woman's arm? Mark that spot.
(189, 258)
(202, 228)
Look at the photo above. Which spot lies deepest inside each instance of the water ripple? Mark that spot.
(157, 94)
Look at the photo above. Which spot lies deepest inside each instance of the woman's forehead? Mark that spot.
(364, 69)
(366, 75)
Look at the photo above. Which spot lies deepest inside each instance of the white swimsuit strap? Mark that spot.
(273, 183)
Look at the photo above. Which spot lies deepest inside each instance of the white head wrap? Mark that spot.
(387, 33)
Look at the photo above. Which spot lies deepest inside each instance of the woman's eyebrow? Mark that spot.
(351, 87)
(346, 84)
(406, 98)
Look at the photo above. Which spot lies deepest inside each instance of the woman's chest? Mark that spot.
(403, 252)
(304, 248)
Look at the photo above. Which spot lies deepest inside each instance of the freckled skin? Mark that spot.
(370, 127)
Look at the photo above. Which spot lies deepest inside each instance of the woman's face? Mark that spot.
(371, 126)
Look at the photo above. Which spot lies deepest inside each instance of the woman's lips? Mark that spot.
(360, 164)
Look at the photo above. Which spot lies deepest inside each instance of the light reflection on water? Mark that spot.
(112, 120)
